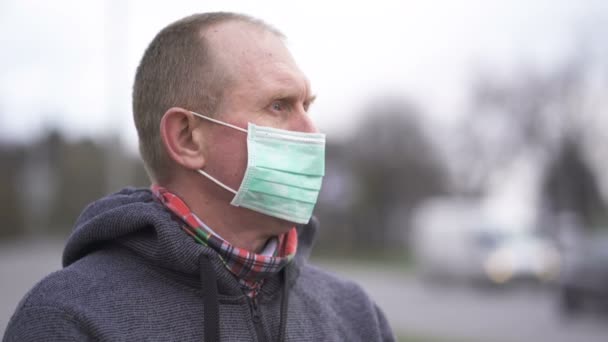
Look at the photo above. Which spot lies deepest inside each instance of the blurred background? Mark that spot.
(467, 173)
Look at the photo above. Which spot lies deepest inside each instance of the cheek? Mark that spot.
(228, 159)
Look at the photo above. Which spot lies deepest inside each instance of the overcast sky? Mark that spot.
(70, 64)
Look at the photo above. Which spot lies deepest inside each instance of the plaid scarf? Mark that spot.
(249, 268)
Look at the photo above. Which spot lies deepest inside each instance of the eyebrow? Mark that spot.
(311, 99)
(294, 97)
(287, 91)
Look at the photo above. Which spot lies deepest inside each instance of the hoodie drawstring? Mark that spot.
(212, 304)
(210, 299)
(284, 303)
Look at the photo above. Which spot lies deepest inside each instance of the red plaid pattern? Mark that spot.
(250, 268)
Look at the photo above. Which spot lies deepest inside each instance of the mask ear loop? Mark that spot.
(219, 122)
(213, 179)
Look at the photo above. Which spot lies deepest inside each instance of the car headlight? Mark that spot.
(498, 266)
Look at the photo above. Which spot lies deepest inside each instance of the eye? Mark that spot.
(279, 106)
(306, 106)
(308, 103)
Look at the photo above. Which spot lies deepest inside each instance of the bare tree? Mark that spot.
(396, 167)
(540, 116)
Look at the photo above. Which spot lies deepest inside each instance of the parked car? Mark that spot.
(522, 256)
(584, 280)
(454, 241)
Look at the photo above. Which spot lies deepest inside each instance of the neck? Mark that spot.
(245, 240)
(241, 227)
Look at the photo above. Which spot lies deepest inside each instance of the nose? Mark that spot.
(302, 122)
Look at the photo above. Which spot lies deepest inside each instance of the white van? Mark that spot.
(453, 240)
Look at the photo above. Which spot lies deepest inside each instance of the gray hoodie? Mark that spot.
(131, 274)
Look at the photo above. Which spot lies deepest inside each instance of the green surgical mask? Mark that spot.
(284, 172)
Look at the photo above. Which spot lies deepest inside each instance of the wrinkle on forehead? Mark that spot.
(257, 56)
(289, 83)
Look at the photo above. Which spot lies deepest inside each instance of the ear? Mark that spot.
(183, 138)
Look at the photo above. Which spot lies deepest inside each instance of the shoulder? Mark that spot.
(74, 302)
(94, 274)
(49, 310)
(110, 279)
(45, 323)
(101, 280)
(340, 305)
(317, 277)
(326, 288)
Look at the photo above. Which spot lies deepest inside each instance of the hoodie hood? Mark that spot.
(134, 219)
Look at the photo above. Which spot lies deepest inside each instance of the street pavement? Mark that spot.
(461, 312)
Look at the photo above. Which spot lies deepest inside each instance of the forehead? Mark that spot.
(252, 55)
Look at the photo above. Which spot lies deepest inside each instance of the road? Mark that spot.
(412, 307)
(465, 313)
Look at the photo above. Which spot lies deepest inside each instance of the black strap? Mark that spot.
(212, 305)
(210, 300)
(284, 303)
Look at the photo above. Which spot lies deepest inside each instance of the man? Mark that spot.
(212, 251)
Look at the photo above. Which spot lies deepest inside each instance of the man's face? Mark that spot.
(267, 89)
